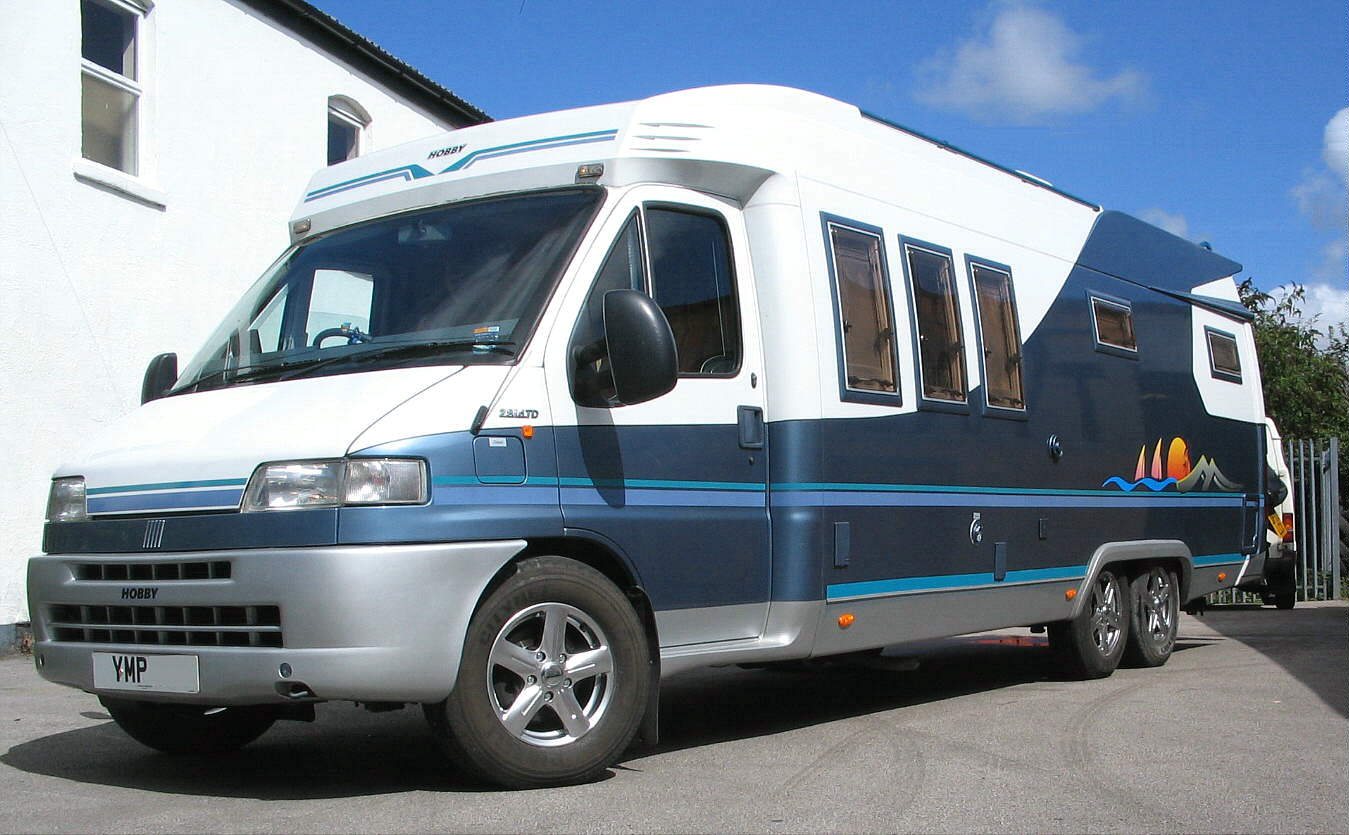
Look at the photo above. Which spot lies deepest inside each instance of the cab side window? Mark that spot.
(692, 282)
(682, 258)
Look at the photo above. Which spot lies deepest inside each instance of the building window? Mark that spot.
(941, 343)
(110, 91)
(347, 123)
(865, 318)
(1114, 326)
(1223, 357)
(1000, 336)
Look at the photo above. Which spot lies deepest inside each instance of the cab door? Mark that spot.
(677, 484)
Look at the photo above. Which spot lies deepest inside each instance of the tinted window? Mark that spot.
(1114, 324)
(692, 281)
(1224, 359)
(1001, 337)
(864, 311)
(623, 269)
(941, 349)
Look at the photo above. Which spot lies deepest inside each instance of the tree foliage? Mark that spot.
(1303, 367)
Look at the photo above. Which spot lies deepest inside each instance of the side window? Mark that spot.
(1000, 335)
(339, 298)
(692, 281)
(264, 332)
(864, 315)
(1113, 324)
(1224, 361)
(941, 345)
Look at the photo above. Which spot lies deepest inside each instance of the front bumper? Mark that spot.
(361, 623)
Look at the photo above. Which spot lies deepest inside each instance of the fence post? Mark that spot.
(1333, 503)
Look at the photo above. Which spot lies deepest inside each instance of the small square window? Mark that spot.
(864, 315)
(1224, 360)
(1114, 325)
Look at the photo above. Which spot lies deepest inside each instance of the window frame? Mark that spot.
(935, 404)
(846, 393)
(133, 85)
(348, 112)
(1220, 373)
(989, 408)
(1127, 306)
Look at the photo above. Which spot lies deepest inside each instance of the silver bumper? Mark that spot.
(362, 623)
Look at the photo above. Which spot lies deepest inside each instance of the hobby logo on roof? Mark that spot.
(408, 173)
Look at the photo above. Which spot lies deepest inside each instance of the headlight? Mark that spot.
(290, 485)
(65, 502)
(385, 481)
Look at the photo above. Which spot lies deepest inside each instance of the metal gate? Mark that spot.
(1314, 466)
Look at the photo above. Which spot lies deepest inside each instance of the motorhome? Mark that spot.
(539, 412)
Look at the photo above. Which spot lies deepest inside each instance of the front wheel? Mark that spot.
(553, 681)
(1153, 618)
(189, 729)
(1091, 644)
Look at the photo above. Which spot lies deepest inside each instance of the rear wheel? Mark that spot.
(189, 729)
(1091, 644)
(553, 681)
(1154, 616)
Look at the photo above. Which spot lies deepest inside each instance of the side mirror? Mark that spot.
(638, 354)
(159, 377)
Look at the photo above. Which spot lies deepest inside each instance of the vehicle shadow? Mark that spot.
(351, 753)
(1309, 642)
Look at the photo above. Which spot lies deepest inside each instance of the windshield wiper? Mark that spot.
(297, 368)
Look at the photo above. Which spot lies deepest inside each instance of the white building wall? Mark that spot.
(94, 282)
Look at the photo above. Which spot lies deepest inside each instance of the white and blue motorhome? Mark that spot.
(535, 413)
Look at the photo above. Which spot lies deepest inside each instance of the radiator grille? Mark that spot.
(186, 626)
(157, 571)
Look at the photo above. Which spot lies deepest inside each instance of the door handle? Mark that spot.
(750, 421)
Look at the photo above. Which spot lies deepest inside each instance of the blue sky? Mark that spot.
(1221, 120)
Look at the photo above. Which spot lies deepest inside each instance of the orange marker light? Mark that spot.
(846, 619)
(1070, 594)
(1222, 575)
(527, 431)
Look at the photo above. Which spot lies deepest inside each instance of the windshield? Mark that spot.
(456, 284)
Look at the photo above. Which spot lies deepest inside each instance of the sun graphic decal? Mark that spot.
(1169, 465)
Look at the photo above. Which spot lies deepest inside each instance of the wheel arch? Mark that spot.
(1134, 557)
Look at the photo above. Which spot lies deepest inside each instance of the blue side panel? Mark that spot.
(469, 499)
(1126, 247)
(911, 486)
(684, 503)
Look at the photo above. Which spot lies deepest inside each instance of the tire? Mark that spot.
(553, 682)
(1092, 644)
(1285, 599)
(1154, 617)
(189, 729)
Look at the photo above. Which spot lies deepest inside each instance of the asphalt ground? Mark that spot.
(1245, 730)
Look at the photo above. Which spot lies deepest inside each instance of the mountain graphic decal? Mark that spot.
(1170, 466)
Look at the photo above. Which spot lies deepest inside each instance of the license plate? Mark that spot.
(147, 673)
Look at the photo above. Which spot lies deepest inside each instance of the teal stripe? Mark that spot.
(1218, 559)
(949, 582)
(168, 485)
(945, 488)
(468, 158)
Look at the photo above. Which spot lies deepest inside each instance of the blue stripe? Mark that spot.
(168, 485)
(861, 498)
(953, 488)
(532, 145)
(165, 501)
(665, 498)
(405, 172)
(485, 494)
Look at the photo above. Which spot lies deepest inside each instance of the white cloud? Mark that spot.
(1329, 304)
(1024, 64)
(1336, 150)
(1323, 194)
(1175, 224)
